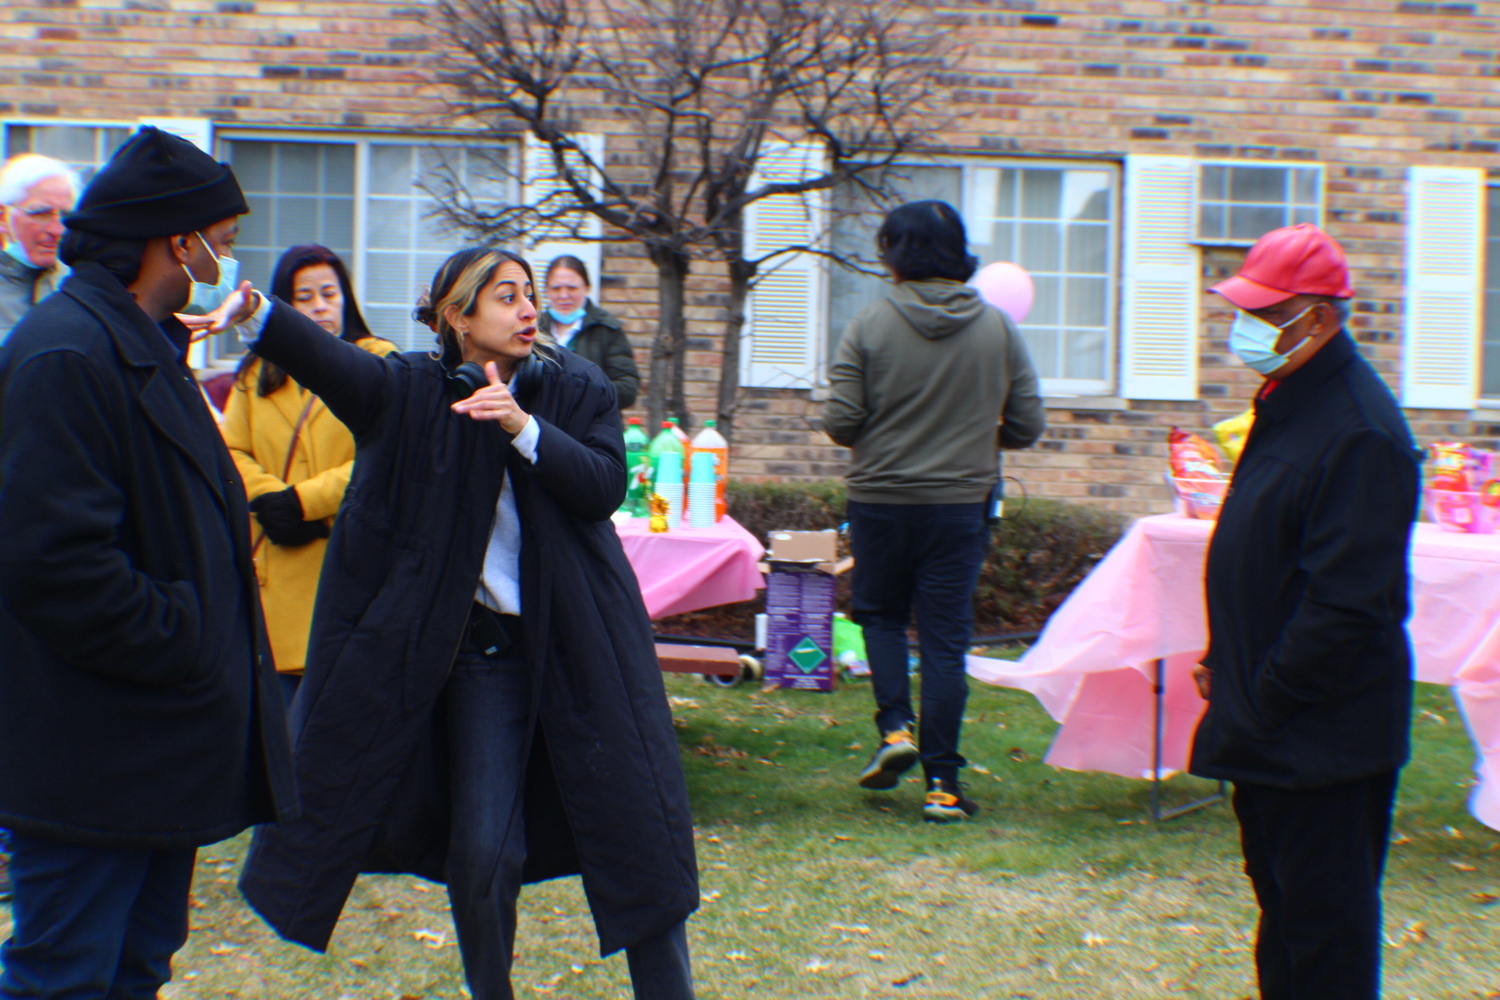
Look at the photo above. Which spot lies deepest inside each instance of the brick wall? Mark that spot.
(1365, 87)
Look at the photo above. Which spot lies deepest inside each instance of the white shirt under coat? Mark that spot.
(500, 583)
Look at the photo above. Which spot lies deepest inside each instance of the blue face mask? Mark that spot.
(18, 252)
(1253, 341)
(567, 319)
(205, 298)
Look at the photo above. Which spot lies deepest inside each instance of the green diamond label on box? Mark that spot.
(806, 655)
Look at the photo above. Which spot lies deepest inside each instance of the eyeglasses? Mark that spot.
(42, 214)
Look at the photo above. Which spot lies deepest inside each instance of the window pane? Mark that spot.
(1041, 193)
(1305, 186)
(1251, 222)
(1211, 183)
(1005, 205)
(389, 221)
(298, 192)
(1083, 357)
(85, 148)
(1045, 308)
(1041, 246)
(1211, 222)
(1262, 184)
(1088, 249)
(1305, 215)
(1055, 221)
(856, 219)
(1085, 194)
(391, 169)
(1043, 346)
(1084, 301)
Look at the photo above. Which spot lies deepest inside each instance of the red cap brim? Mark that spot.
(1250, 295)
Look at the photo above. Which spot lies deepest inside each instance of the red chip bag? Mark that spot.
(1192, 457)
(1451, 462)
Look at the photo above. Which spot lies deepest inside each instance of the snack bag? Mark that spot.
(1232, 433)
(1486, 477)
(1195, 475)
(1452, 461)
(1192, 456)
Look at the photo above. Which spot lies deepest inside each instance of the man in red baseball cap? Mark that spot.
(1308, 671)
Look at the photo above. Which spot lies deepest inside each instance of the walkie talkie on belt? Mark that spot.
(995, 512)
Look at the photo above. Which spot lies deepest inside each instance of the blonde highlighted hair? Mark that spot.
(456, 287)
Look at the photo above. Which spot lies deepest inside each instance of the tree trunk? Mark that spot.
(741, 272)
(664, 392)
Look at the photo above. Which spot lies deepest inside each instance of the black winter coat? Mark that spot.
(605, 795)
(602, 340)
(139, 707)
(1307, 585)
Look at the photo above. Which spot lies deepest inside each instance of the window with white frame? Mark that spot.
(370, 200)
(84, 147)
(1490, 355)
(1238, 203)
(1059, 221)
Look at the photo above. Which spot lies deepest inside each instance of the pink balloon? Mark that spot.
(1007, 287)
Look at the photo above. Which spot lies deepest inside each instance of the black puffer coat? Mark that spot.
(605, 794)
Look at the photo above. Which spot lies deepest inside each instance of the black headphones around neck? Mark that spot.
(469, 377)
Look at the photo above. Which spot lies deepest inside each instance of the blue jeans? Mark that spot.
(922, 557)
(487, 707)
(93, 922)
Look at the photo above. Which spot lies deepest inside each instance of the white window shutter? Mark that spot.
(1444, 264)
(198, 131)
(1160, 280)
(785, 318)
(539, 180)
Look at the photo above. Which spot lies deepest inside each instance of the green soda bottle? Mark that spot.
(664, 442)
(636, 469)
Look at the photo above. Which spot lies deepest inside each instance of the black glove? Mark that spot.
(280, 516)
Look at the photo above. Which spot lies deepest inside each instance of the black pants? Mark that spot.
(1316, 857)
(922, 557)
(93, 922)
(487, 702)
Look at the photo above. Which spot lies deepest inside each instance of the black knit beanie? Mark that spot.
(157, 185)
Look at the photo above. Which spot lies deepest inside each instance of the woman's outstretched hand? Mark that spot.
(494, 402)
(238, 308)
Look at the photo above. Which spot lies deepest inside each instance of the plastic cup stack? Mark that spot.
(669, 484)
(703, 490)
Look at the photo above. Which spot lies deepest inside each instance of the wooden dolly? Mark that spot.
(723, 665)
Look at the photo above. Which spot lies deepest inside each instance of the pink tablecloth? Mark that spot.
(690, 568)
(1091, 668)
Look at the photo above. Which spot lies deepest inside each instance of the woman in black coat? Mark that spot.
(578, 323)
(482, 703)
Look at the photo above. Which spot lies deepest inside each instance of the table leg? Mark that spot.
(1159, 692)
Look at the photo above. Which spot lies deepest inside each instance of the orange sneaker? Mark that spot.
(896, 755)
(947, 803)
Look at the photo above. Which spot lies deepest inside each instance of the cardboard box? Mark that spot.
(800, 586)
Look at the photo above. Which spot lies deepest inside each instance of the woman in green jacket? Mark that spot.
(577, 323)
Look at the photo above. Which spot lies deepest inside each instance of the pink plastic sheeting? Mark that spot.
(690, 568)
(1092, 666)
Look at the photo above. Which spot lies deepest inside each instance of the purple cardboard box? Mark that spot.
(799, 635)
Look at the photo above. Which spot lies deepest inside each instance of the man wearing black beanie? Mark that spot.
(140, 715)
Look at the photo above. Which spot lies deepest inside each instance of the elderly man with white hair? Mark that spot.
(35, 193)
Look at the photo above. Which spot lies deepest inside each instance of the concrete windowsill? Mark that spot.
(1084, 403)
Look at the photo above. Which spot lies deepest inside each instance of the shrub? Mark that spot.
(1038, 554)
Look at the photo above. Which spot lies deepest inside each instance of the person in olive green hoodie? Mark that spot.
(928, 383)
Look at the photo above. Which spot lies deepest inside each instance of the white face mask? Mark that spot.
(1253, 341)
(205, 298)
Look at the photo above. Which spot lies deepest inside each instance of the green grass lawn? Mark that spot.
(815, 888)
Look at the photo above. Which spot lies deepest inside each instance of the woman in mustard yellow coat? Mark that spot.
(294, 456)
